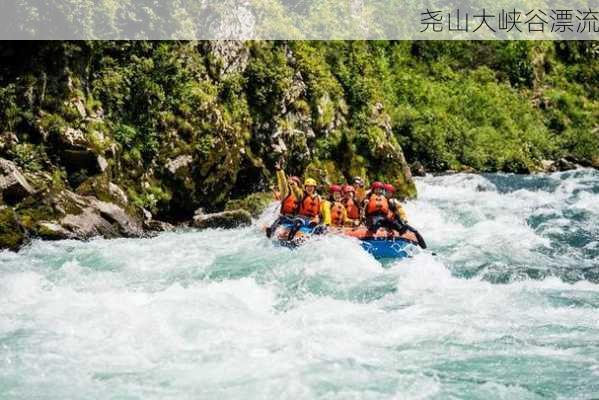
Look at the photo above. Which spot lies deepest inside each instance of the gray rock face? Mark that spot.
(87, 159)
(77, 153)
(226, 220)
(87, 217)
(13, 184)
(117, 193)
(158, 226)
(560, 165)
(173, 166)
(564, 165)
(52, 231)
(232, 54)
(72, 138)
(548, 166)
(418, 169)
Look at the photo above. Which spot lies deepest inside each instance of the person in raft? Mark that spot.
(376, 210)
(396, 210)
(359, 190)
(289, 190)
(352, 207)
(398, 215)
(309, 210)
(333, 210)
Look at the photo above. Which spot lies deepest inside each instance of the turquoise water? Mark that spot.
(507, 309)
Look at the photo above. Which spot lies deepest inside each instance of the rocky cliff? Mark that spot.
(107, 139)
(121, 138)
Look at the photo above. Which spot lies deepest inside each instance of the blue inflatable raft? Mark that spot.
(382, 244)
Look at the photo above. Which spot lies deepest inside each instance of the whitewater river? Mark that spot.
(508, 308)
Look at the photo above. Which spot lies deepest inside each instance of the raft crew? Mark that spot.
(351, 206)
(288, 190)
(360, 191)
(309, 210)
(399, 216)
(333, 210)
(347, 205)
(396, 210)
(377, 210)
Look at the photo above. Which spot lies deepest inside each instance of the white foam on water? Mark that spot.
(227, 314)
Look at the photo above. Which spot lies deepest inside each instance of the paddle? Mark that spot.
(419, 237)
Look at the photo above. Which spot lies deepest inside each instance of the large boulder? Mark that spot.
(52, 231)
(85, 217)
(548, 166)
(226, 219)
(103, 189)
(13, 184)
(418, 169)
(77, 153)
(565, 165)
(12, 234)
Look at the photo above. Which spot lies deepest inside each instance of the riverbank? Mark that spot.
(51, 215)
(126, 138)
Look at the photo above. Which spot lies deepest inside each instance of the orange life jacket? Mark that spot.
(337, 213)
(310, 206)
(377, 204)
(289, 205)
(353, 211)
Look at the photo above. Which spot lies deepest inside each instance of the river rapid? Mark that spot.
(507, 308)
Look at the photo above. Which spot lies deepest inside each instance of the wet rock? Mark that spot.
(13, 184)
(417, 169)
(87, 217)
(118, 217)
(548, 166)
(158, 226)
(466, 169)
(595, 162)
(564, 165)
(87, 225)
(12, 233)
(52, 231)
(226, 220)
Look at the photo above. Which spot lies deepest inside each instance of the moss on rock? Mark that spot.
(12, 234)
(225, 220)
(255, 203)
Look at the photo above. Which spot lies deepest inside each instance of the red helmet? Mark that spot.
(335, 188)
(389, 188)
(377, 185)
(349, 189)
(295, 179)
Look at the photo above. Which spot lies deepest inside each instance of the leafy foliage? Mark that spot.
(349, 105)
